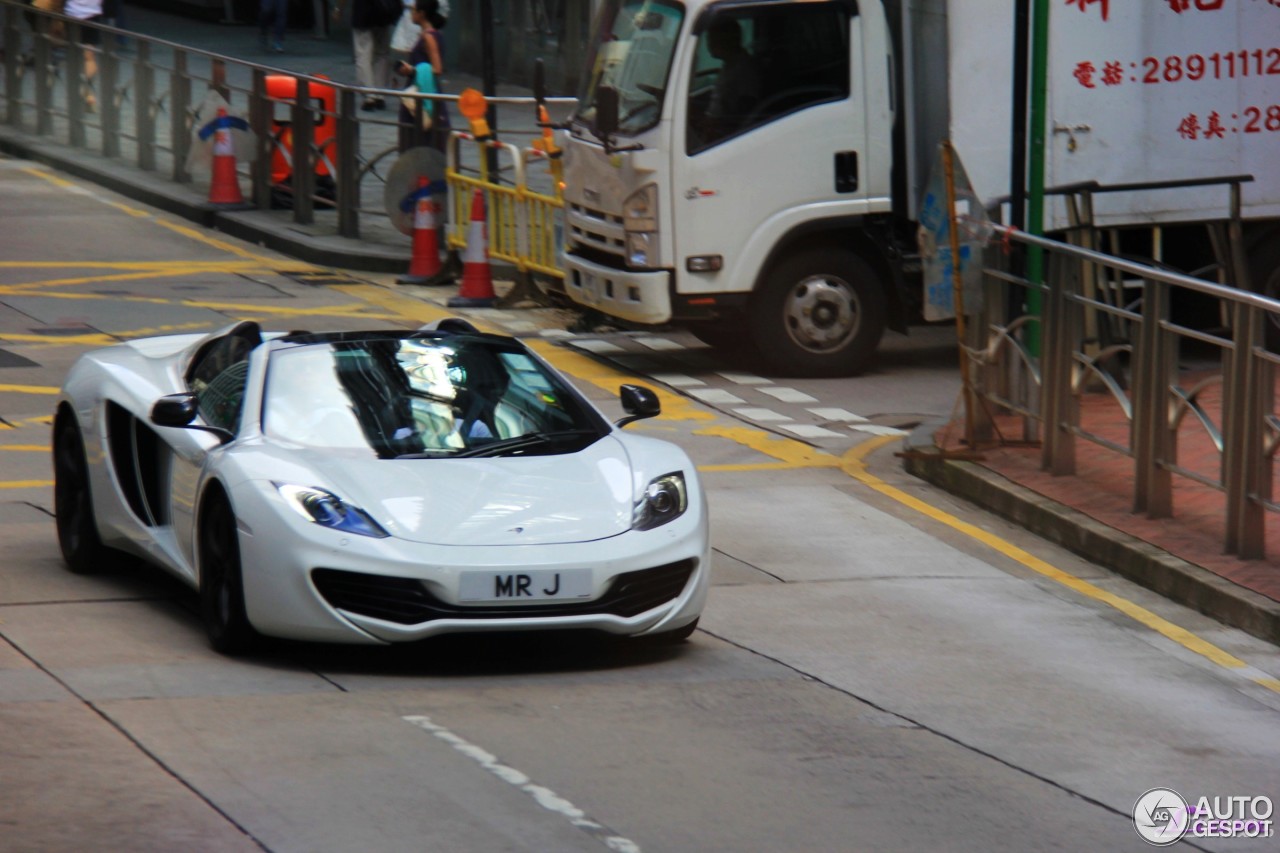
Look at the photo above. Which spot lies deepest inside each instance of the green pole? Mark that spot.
(1035, 159)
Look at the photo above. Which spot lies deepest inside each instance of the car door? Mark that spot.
(218, 376)
(772, 152)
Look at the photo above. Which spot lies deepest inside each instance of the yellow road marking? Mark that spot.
(26, 448)
(39, 420)
(96, 339)
(222, 245)
(28, 389)
(854, 464)
(184, 230)
(404, 307)
(26, 484)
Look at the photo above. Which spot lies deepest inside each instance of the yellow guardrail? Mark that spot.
(525, 226)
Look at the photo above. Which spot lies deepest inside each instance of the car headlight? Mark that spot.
(665, 499)
(328, 510)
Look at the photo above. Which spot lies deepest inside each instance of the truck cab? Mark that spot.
(729, 168)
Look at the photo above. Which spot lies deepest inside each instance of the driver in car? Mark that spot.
(738, 84)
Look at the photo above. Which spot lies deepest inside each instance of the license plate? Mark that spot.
(528, 585)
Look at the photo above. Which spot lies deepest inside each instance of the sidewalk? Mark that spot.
(380, 246)
(1090, 512)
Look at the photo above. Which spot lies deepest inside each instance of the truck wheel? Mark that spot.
(820, 312)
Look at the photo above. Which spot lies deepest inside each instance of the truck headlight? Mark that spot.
(640, 224)
(665, 499)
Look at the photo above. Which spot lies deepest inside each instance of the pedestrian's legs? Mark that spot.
(273, 14)
(362, 42)
(382, 57)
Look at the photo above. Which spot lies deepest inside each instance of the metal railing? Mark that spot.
(1176, 383)
(140, 109)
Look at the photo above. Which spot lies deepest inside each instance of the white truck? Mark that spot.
(752, 169)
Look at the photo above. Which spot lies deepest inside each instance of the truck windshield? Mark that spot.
(631, 50)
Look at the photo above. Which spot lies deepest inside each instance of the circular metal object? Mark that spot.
(402, 180)
(822, 313)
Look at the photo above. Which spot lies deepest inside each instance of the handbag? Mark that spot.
(424, 81)
(406, 33)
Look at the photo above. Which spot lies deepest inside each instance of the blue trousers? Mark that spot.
(273, 14)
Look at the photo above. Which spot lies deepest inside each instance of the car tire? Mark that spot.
(819, 312)
(82, 548)
(222, 582)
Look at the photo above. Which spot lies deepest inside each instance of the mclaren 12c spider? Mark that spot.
(376, 487)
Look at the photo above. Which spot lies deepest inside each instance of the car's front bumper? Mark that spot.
(633, 295)
(280, 553)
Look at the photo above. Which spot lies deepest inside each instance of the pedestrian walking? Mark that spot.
(371, 23)
(273, 18)
(427, 48)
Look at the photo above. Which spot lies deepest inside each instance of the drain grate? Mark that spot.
(319, 278)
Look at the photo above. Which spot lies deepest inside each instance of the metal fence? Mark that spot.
(1111, 343)
(140, 108)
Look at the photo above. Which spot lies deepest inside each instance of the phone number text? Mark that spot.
(1260, 62)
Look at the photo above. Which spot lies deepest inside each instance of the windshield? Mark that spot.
(422, 397)
(631, 50)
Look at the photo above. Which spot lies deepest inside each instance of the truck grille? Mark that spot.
(406, 601)
(594, 229)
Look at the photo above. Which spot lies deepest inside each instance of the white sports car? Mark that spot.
(374, 487)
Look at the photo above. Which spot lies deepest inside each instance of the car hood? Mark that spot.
(525, 500)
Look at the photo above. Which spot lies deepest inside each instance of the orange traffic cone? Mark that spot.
(476, 290)
(424, 265)
(225, 186)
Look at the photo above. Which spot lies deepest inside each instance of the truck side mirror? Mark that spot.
(539, 81)
(606, 113)
(638, 402)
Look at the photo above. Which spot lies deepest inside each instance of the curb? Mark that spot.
(1172, 577)
(271, 230)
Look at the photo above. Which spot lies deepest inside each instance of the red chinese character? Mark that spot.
(1084, 5)
(1180, 6)
(1112, 74)
(1214, 128)
(1084, 73)
(1189, 127)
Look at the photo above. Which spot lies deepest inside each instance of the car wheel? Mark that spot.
(820, 312)
(221, 582)
(78, 539)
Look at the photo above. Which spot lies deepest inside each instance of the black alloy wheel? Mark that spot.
(221, 582)
(82, 549)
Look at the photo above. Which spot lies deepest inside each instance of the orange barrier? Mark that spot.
(324, 126)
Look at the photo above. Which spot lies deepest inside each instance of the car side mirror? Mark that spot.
(638, 402)
(175, 410)
(179, 410)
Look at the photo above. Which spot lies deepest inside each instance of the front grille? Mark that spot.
(407, 602)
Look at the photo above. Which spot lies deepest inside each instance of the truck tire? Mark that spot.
(819, 312)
